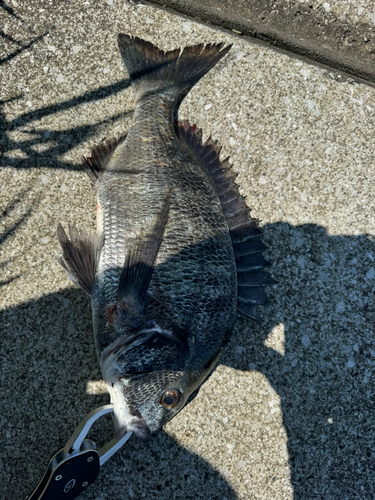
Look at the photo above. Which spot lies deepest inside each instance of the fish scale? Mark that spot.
(127, 207)
(174, 240)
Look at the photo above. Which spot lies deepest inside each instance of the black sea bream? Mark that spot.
(176, 255)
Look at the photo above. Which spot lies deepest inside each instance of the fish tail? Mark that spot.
(152, 70)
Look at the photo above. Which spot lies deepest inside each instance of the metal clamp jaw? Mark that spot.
(77, 465)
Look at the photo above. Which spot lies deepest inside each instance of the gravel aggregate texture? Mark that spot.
(289, 411)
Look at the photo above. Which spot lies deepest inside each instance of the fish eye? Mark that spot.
(171, 398)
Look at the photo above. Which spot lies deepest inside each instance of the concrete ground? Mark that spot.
(289, 411)
(337, 33)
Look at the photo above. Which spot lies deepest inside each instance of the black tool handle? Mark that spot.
(69, 478)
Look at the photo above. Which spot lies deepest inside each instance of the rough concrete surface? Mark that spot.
(289, 412)
(339, 34)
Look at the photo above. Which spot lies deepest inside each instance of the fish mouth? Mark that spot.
(125, 417)
(139, 427)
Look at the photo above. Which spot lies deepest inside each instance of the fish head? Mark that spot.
(143, 404)
(147, 380)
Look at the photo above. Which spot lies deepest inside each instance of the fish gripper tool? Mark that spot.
(73, 468)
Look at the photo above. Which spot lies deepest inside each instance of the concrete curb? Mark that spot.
(339, 36)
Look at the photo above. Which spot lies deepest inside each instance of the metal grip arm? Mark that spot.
(77, 465)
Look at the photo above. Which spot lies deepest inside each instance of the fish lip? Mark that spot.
(121, 432)
(139, 427)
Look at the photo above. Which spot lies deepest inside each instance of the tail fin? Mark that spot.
(153, 70)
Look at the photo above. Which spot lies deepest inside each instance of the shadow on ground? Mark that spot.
(38, 146)
(47, 358)
(324, 302)
(325, 306)
(42, 146)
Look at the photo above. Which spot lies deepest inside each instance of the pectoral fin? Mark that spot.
(137, 272)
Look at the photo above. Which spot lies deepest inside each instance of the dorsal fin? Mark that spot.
(244, 230)
(100, 155)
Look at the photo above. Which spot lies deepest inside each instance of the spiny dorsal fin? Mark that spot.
(100, 156)
(80, 256)
(244, 230)
(137, 272)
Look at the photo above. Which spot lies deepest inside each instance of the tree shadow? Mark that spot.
(21, 45)
(40, 146)
(44, 146)
(12, 13)
(9, 231)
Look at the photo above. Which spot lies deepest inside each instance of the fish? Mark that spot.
(176, 257)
